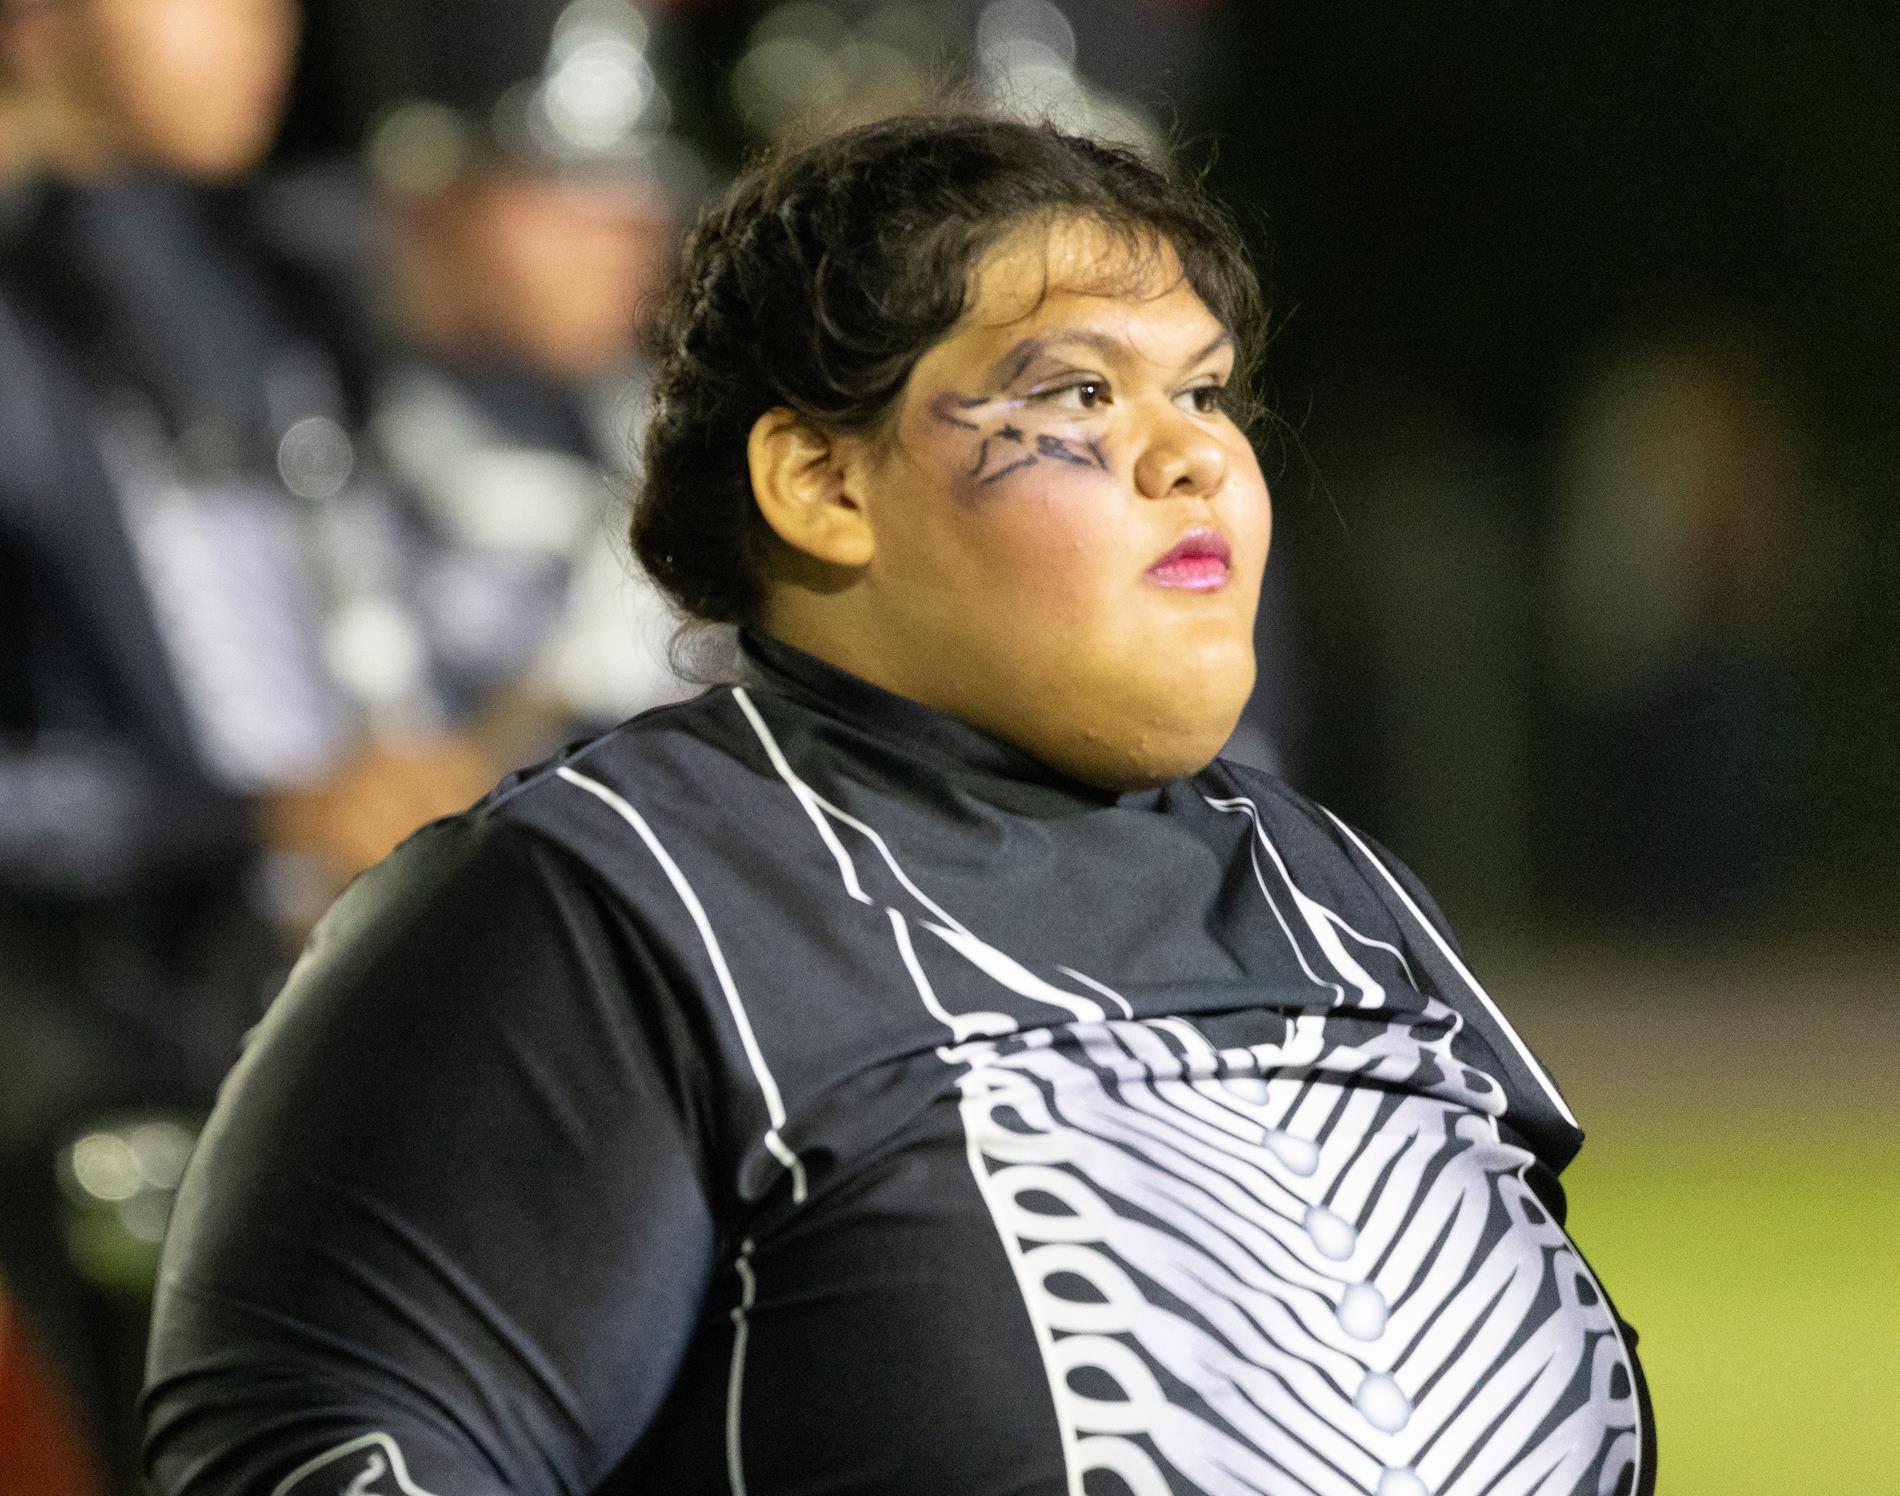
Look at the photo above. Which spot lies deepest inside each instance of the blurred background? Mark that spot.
(320, 379)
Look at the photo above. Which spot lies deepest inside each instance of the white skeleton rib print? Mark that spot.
(1289, 1284)
(1307, 1268)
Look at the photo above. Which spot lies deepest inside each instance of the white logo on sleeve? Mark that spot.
(369, 1465)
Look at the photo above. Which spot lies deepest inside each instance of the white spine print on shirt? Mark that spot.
(1290, 1284)
(1306, 1267)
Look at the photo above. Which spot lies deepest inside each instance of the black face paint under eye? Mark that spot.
(1004, 447)
(1008, 450)
(1003, 437)
(1027, 461)
(947, 407)
(1078, 454)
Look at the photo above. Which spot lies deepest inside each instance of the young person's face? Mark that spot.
(554, 274)
(1046, 458)
(189, 86)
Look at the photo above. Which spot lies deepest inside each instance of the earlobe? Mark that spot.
(800, 482)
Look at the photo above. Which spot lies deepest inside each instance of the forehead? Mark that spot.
(1079, 271)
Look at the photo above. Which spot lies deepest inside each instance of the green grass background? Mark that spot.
(1756, 1254)
(1738, 1191)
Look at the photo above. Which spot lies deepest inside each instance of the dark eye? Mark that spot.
(1206, 399)
(1082, 394)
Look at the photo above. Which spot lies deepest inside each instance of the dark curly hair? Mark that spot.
(819, 280)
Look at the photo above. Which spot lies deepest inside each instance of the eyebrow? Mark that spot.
(1025, 351)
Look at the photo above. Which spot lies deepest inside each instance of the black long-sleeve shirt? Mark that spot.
(798, 1090)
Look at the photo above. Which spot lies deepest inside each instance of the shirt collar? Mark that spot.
(970, 759)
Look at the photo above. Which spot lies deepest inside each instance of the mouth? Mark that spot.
(1200, 562)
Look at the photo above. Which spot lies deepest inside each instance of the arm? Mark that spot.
(448, 1214)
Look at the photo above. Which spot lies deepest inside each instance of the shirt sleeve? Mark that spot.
(446, 1231)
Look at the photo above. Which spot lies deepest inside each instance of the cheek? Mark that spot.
(1054, 539)
(1030, 535)
(1254, 519)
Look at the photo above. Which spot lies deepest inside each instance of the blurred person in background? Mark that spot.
(216, 702)
(1683, 604)
(15, 161)
(520, 185)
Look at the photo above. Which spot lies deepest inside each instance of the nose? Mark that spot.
(1182, 459)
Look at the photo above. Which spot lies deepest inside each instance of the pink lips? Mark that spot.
(1198, 563)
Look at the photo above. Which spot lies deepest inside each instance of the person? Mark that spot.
(202, 611)
(921, 1064)
(126, 972)
(490, 330)
(1680, 600)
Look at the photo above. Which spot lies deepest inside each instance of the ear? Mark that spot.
(803, 484)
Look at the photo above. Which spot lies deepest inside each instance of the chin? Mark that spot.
(1175, 729)
(217, 161)
(1122, 765)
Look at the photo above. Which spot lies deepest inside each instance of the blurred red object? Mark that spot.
(42, 1452)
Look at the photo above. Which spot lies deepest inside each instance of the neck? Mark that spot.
(1115, 735)
(822, 620)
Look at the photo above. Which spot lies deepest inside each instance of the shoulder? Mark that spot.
(465, 915)
(536, 864)
(477, 947)
(689, 782)
(668, 749)
(519, 892)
